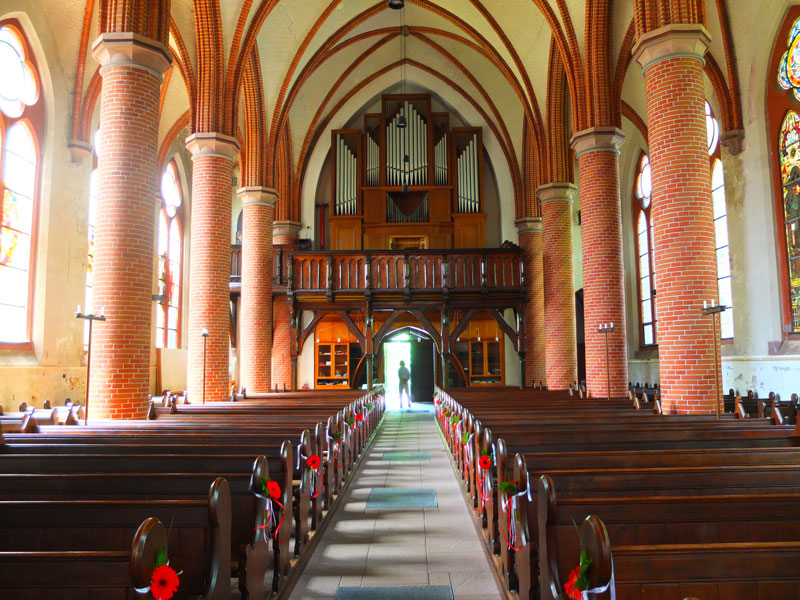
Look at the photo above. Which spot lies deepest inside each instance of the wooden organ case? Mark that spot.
(407, 180)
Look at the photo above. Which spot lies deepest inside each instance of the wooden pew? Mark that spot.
(129, 453)
(106, 537)
(703, 445)
(762, 569)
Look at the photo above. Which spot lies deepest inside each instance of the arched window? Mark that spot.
(790, 184)
(783, 94)
(93, 183)
(21, 121)
(642, 202)
(720, 225)
(170, 250)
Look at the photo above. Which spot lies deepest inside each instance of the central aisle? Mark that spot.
(404, 522)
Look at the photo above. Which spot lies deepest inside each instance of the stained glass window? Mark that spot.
(789, 144)
(19, 126)
(644, 252)
(789, 66)
(170, 249)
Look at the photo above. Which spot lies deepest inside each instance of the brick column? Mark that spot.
(530, 239)
(559, 284)
(684, 244)
(597, 150)
(258, 208)
(213, 155)
(283, 232)
(132, 67)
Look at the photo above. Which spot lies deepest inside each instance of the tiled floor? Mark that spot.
(402, 547)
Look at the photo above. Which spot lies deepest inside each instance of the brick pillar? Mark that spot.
(597, 150)
(684, 244)
(132, 67)
(255, 350)
(213, 155)
(283, 232)
(530, 240)
(559, 284)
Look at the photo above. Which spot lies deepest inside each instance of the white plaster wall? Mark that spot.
(305, 361)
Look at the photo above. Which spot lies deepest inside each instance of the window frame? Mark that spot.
(32, 117)
(713, 158)
(636, 210)
(779, 103)
(178, 218)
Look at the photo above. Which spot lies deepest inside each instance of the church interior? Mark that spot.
(441, 299)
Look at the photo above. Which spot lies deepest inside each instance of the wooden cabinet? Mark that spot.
(332, 366)
(486, 363)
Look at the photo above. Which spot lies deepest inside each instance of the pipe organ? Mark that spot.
(407, 175)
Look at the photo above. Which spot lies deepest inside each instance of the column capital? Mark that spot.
(79, 150)
(286, 228)
(672, 41)
(733, 140)
(597, 139)
(258, 196)
(132, 50)
(212, 144)
(529, 225)
(557, 191)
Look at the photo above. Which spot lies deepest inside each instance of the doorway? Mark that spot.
(418, 353)
(396, 349)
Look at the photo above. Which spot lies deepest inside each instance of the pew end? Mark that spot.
(150, 538)
(594, 539)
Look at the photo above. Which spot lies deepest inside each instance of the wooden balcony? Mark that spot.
(490, 277)
(423, 278)
(279, 268)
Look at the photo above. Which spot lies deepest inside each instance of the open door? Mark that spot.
(422, 359)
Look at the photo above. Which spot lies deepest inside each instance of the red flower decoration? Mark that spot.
(436, 402)
(485, 462)
(352, 426)
(572, 591)
(164, 582)
(454, 424)
(359, 417)
(313, 462)
(274, 489)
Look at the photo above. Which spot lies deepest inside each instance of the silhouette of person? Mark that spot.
(404, 375)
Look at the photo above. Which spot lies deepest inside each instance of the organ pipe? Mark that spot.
(346, 202)
(468, 167)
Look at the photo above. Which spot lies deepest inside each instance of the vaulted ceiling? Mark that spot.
(319, 60)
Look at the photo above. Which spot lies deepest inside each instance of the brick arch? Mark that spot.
(318, 60)
(208, 115)
(87, 103)
(315, 131)
(253, 150)
(170, 136)
(559, 165)
(280, 115)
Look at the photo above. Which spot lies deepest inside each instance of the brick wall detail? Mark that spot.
(559, 283)
(124, 237)
(684, 242)
(255, 349)
(530, 240)
(597, 150)
(213, 155)
(283, 232)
